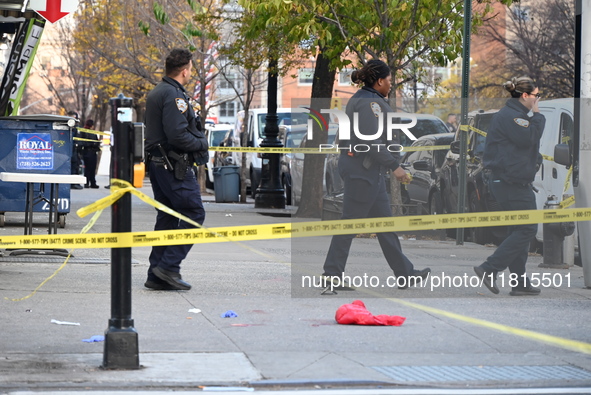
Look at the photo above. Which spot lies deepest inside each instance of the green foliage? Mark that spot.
(160, 15)
(195, 6)
(191, 30)
(397, 31)
(144, 27)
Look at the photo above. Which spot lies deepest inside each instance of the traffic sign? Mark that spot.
(53, 10)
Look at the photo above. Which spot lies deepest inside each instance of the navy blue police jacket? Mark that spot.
(171, 120)
(371, 108)
(512, 147)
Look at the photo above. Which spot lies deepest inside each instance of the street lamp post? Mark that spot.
(270, 193)
(121, 339)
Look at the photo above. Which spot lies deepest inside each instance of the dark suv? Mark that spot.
(424, 190)
(478, 196)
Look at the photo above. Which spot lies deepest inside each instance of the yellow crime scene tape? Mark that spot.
(300, 229)
(283, 230)
(308, 150)
(93, 132)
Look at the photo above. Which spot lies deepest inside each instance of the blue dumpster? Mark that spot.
(40, 144)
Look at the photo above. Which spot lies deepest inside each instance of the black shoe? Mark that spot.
(172, 278)
(94, 186)
(488, 279)
(159, 285)
(334, 283)
(525, 291)
(76, 186)
(107, 186)
(417, 276)
(86, 186)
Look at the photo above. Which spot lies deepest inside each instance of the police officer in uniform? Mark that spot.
(511, 159)
(363, 175)
(174, 141)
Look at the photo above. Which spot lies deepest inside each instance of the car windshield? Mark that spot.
(216, 137)
(332, 134)
(283, 118)
(295, 139)
(422, 128)
(483, 124)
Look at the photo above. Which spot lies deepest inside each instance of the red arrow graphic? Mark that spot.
(53, 11)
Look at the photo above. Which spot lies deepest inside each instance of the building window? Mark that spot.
(522, 13)
(228, 109)
(345, 77)
(305, 76)
(231, 81)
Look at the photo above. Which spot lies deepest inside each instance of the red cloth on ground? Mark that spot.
(356, 313)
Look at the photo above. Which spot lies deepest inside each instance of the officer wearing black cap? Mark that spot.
(174, 141)
(363, 175)
(511, 159)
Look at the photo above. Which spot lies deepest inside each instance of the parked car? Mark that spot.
(550, 180)
(225, 158)
(256, 121)
(424, 190)
(291, 137)
(215, 136)
(426, 124)
(297, 165)
(478, 196)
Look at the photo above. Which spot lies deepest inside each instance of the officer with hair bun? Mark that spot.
(363, 175)
(511, 159)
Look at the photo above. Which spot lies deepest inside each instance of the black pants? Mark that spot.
(183, 197)
(512, 253)
(371, 206)
(90, 158)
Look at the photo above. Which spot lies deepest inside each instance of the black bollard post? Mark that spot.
(121, 338)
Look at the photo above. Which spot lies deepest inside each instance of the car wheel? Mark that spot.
(405, 199)
(253, 185)
(208, 182)
(435, 205)
(477, 235)
(329, 186)
(287, 188)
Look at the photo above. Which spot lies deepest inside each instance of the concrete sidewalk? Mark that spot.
(285, 336)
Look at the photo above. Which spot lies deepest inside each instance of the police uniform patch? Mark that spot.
(182, 105)
(521, 122)
(376, 109)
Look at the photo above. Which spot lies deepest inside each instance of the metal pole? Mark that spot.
(582, 140)
(415, 91)
(121, 338)
(270, 193)
(464, 115)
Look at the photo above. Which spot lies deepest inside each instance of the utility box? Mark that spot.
(40, 144)
(226, 181)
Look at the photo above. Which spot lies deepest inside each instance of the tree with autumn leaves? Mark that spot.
(400, 32)
(128, 41)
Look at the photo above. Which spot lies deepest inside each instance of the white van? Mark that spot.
(215, 136)
(256, 122)
(550, 180)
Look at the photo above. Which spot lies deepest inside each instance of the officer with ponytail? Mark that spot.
(511, 159)
(363, 173)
